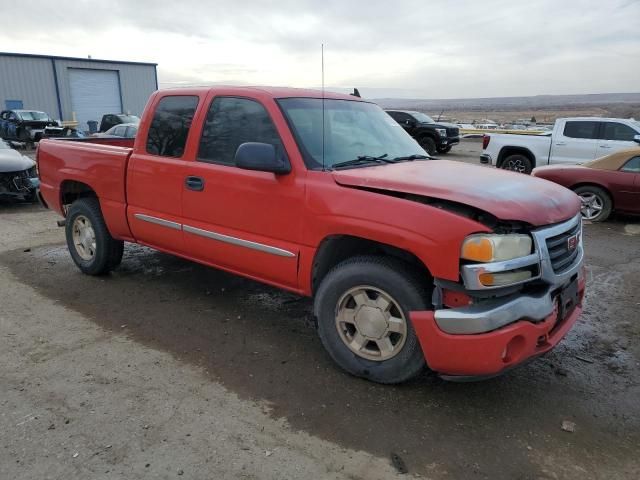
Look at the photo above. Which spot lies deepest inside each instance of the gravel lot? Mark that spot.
(166, 369)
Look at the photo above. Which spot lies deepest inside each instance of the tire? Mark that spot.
(517, 163)
(90, 244)
(428, 144)
(381, 278)
(443, 150)
(596, 203)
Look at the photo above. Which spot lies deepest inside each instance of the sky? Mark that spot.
(399, 48)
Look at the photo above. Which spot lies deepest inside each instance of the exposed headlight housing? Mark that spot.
(488, 248)
(442, 132)
(494, 260)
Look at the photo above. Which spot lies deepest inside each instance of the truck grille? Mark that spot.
(453, 132)
(564, 248)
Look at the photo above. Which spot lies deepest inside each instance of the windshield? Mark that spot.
(352, 129)
(422, 118)
(30, 116)
(129, 119)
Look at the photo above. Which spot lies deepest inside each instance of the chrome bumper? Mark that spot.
(499, 312)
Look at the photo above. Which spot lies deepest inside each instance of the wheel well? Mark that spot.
(506, 151)
(71, 190)
(591, 184)
(337, 248)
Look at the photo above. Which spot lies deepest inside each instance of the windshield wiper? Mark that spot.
(412, 157)
(362, 160)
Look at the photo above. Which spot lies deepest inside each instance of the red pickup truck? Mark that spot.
(411, 262)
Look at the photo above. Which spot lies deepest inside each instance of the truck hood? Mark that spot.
(12, 161)
(505, 195)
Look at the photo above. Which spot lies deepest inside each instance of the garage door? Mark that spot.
(93, 93)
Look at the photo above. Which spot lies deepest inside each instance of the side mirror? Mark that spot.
(410, 123)
(636, 138)
(261, 157)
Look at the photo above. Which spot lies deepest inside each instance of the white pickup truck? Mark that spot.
(573, 140)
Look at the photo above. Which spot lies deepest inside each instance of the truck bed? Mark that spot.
(100, 162)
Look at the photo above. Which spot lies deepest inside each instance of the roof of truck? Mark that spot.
(275, 92)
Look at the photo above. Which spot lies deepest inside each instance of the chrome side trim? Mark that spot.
(238, 241)
(158, 221)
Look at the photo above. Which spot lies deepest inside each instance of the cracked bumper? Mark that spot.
(488, 354)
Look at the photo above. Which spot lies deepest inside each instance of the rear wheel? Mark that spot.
(517, 163)
(596, 203)
(428, 144)
(362, 307)
(90, 244)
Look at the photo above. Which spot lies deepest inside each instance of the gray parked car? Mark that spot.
(18, 174)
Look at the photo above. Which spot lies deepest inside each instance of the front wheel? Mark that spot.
(517, 163)
(596, 203)
(90, 244)
(362, 307)
(428, 144)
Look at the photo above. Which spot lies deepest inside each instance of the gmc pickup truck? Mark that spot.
(410, 262)
(573, 140)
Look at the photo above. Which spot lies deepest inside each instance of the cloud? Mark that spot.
(409, 47)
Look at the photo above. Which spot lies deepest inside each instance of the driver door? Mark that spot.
(248, 222)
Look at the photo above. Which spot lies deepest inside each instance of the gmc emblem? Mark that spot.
(572, 242)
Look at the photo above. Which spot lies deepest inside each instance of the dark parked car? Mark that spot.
(606, 184)
(112, 119)
(24, 125)
(18, 176)
(434, 137)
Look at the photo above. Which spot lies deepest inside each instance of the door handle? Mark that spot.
(194, 183)
(561, 144)
(605, 146)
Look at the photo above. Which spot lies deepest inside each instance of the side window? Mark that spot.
(633, 165)
(395, 116)
(618, 131)
(131, 132)
(231, 122)
(581, 129)
(170, 125)
(119, 131)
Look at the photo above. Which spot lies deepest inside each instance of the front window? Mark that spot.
(31, 116)
(618, 131)
(422, 117)
(352, 129)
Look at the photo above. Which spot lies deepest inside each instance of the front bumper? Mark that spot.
(449, 141)
(490, 354)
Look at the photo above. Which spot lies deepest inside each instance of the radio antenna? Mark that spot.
(322, 73)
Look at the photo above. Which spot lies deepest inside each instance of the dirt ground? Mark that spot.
(167, 369)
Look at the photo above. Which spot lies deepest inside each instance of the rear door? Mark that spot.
(576, 142)
(156, 174)
(245, 221)
(615, 136)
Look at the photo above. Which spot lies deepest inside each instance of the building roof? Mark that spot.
(54, 57)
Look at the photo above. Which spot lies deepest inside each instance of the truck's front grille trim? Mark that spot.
(560, 253)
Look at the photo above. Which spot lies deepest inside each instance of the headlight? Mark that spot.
(442, 132)
(495, 248)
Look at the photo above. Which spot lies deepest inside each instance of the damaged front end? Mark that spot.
(23, 183)
(505, 310)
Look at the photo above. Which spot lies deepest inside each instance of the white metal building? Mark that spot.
(80, 88)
